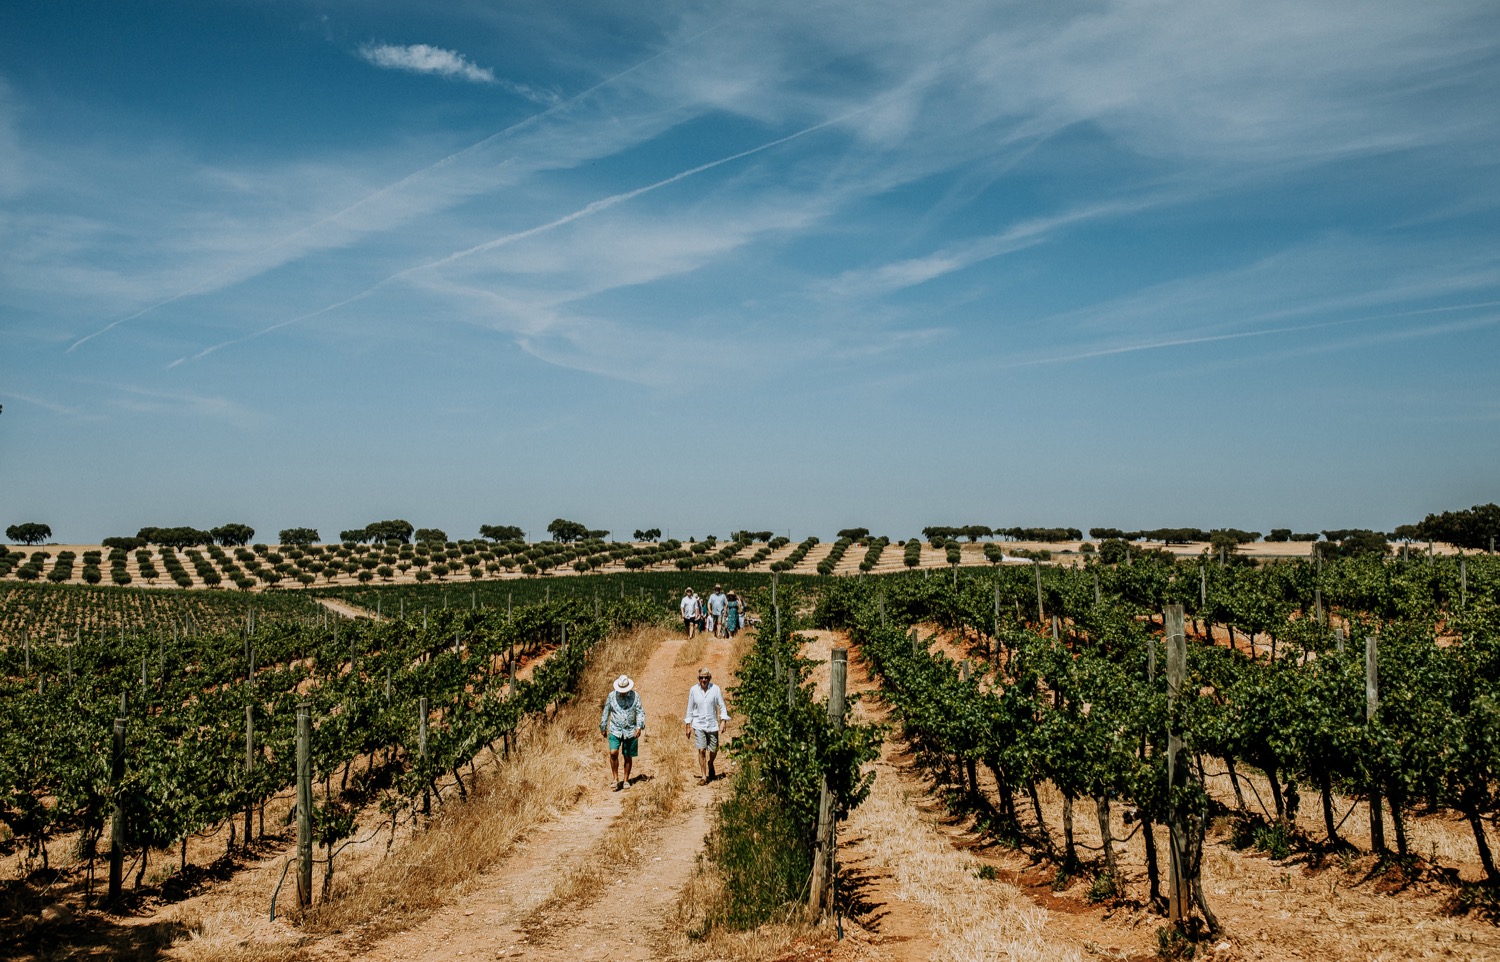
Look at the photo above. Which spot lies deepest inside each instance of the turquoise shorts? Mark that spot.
(630, 747)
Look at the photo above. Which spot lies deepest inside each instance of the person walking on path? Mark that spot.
(717, 605)
(692, 610)
(622, 722)
(705, 718)
(732, 614)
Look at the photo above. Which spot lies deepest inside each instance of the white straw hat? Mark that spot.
(623, 684)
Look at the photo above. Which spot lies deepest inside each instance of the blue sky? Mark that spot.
(790, 265)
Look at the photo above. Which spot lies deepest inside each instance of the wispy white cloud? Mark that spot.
(542, 141)
(1227, 89)
(423, 58)
(590, 209)
(1380, 293)
(909, 272)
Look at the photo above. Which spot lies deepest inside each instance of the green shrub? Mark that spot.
(1103, 888)
(759, 847)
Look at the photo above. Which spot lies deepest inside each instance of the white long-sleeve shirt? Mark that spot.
(701, 708)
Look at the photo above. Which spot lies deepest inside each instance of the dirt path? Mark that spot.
(346, 610)
(601, 880)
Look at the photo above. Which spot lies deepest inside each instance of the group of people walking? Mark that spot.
(722, 615)
(624, 720)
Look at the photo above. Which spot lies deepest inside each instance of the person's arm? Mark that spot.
(723, 709)
(687, 716)
(604, 716)
(640, 715)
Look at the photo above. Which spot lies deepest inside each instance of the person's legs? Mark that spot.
(614, 766)
(701, 739)
(630, 747)
(713, 752)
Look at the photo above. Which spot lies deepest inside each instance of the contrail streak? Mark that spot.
(587, 210)
(1265, 332)
(208, 283)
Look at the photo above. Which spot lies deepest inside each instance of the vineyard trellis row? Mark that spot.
(1073, 696)
(209, 719)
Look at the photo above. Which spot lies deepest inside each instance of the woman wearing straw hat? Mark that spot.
(622, 722)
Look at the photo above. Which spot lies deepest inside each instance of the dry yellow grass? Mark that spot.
(972, 918)
(692, 652)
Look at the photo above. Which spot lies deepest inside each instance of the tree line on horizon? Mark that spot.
(1475, 528)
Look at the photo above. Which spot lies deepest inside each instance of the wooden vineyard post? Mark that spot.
(304, 805)
(1179, 895)
(1463, 583)
(1098, 596)
(1041, 616)
(997, 615)
(249, 768)
(117, 818)
(820, 896)
(1372, 704)
(1148, 828)
(422, 749)
(1338, 639)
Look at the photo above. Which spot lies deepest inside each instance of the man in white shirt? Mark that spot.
(692, 610)
(705, 717)
(718, 604)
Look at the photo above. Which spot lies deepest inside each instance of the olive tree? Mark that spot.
(30, 532)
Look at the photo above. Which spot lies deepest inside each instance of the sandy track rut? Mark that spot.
(626, 918)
